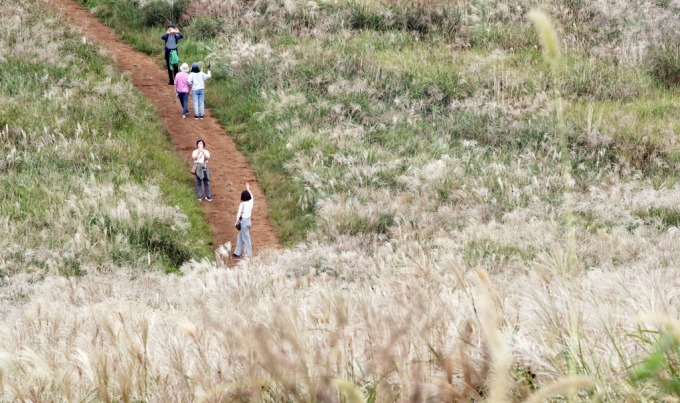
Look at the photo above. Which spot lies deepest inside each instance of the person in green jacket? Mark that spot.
(171, 37)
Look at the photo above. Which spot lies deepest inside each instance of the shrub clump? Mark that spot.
(159, 12)
(665, 63)
(203, 28)
(423, 20)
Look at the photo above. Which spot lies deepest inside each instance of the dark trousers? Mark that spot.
(172, 71)
(206, 185)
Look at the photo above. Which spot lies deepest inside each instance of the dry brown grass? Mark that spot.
(259, 332)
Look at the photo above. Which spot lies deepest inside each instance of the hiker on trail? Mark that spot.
(197, 83)
(200, 169)
(182, 89)
(171, 38)
(243, 224)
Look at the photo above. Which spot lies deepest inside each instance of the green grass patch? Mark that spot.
(235, 104)
(668, 217)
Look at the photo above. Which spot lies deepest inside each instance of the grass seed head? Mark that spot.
(548, 36)
(350, 391)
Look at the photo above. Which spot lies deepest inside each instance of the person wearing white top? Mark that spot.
(196, 81)
(243, 246)
(201, 157)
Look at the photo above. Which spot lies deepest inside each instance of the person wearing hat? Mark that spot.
(197, 82)
(171, 38)
(182, 88)
(201, 157)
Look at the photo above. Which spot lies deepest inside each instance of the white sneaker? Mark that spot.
(200, 198)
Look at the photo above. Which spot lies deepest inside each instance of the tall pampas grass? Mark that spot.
(551, 52)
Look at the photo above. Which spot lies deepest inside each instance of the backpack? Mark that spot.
(174, 58)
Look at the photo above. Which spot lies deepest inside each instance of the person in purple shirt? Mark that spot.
(171, 38)
(182, 88)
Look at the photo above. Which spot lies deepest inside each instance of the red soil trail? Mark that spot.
(228, 166)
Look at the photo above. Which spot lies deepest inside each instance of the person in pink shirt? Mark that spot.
(182, 88)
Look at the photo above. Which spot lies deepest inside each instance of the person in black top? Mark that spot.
(171, 38)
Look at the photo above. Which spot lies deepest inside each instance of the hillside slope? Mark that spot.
(228, 166)
(410, 146)
(89, 180)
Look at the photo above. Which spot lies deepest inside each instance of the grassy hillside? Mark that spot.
(409, 151)
(89, 180)
(371, 119)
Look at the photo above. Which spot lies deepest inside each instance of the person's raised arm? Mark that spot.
(165, 36)
(206, 154)
(248, 189)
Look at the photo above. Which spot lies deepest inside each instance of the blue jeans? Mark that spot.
(198, 96)
(184, 100)
(243, 241)
(206, 185)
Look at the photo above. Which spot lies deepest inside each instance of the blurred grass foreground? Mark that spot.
(412, 156)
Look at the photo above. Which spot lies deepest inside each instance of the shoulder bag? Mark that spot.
(193, 167)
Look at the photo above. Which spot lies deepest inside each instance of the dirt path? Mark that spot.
(229, 167)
